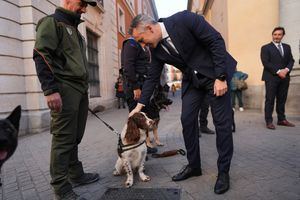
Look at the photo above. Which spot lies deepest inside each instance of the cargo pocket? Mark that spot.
(63, 122)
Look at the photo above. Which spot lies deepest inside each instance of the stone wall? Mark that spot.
(19, 84)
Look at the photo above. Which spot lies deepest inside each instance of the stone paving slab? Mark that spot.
(265, 165)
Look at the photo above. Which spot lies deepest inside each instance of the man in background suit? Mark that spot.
(278, 62)
(188, 42)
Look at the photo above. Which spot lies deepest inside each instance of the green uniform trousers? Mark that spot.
(67, 129)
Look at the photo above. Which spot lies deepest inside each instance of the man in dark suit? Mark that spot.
(188, 42)
(278, 62)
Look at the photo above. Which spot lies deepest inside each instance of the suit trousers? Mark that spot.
(67, 129)
(204, 109)
(222, 118)
(276, 89)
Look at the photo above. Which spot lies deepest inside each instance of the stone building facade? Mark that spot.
(246, 26)
(19, 84)
(125, 11)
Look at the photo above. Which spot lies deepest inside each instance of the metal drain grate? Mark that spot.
(141, 194)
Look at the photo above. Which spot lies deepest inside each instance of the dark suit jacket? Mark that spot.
(201, 47)
(273, 61)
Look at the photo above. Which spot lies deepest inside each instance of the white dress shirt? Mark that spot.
(165, 34)
(276, 44)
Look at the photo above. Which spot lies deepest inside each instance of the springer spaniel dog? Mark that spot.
(132, 150)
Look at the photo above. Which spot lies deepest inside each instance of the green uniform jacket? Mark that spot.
(60, 52)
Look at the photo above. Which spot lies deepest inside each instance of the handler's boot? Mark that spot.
(86, 178)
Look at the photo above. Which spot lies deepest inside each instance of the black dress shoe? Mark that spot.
(206, 130)
(222, 183)
(186, 173)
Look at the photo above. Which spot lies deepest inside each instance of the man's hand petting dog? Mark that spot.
(137, 109)
(9, 129)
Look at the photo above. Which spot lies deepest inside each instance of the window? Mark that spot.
(145, 11)
(130, 3)
(100, 2)
(93, 63)
(121, 20)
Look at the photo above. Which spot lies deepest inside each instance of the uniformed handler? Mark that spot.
(135, 60)
(61, 65)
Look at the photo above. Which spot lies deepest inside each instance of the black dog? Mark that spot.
(9, 129)
(158, 101)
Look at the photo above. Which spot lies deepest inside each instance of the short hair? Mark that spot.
(140, 20)
(279, 28)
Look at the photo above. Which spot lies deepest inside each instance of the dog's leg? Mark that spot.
(128, 169)
(118, 167)
(142, 175)
(155, 133)
(148, 141)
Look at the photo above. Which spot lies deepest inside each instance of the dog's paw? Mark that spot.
(116, 173)
(158, 143)
(128, 183)
(150, 145)
(145, 178)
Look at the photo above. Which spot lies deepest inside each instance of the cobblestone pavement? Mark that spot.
(266, 163)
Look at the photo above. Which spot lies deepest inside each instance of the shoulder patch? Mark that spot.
(132, 42)
(69, 30)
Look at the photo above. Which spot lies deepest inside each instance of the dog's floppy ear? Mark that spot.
(133, 132)
(15, 116)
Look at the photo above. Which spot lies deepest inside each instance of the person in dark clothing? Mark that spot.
(61, 65)
(188, 42)
(135, 59)
(120, 92)
(278, 63)
(204, 109)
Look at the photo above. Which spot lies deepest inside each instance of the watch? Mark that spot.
(221, 77)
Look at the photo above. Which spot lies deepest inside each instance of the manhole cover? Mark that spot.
(141, 194)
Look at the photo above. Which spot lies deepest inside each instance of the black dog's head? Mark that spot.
(9, 129)
(160, 99)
